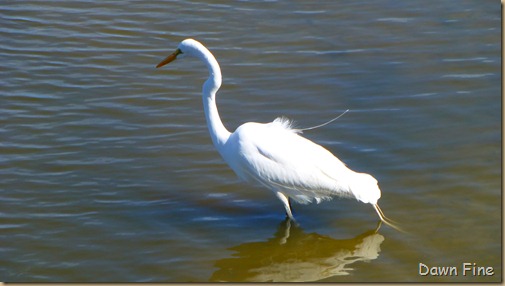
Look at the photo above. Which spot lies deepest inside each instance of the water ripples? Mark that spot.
(107, 172)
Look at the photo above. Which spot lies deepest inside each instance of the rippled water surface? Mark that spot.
(108, 174)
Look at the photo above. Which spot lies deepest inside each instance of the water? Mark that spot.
(107, 172)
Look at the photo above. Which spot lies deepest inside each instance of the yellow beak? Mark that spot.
(170, 58)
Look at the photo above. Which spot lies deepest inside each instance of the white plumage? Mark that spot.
(275, 154)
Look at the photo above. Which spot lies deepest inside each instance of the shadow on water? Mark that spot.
(295, 256)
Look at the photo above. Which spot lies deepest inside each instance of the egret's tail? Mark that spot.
(386, 220)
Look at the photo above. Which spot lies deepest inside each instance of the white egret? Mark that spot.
(274, 154)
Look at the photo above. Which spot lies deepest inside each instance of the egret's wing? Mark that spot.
(282, 160)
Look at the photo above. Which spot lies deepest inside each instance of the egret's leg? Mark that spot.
(381, 214)
(285, 201)
(385, 219)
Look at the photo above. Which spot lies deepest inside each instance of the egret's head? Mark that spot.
(186, 47)
(365, 188)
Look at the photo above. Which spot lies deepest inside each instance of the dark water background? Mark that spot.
(107, 172)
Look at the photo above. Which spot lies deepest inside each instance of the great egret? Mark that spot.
(274, 154)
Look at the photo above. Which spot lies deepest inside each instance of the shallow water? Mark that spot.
(108, 174)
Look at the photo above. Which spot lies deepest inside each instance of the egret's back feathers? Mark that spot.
(286, 124)
(278, 158)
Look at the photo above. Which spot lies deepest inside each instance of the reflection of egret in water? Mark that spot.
(295, 256)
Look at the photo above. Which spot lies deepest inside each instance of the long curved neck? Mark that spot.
(218, 132)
